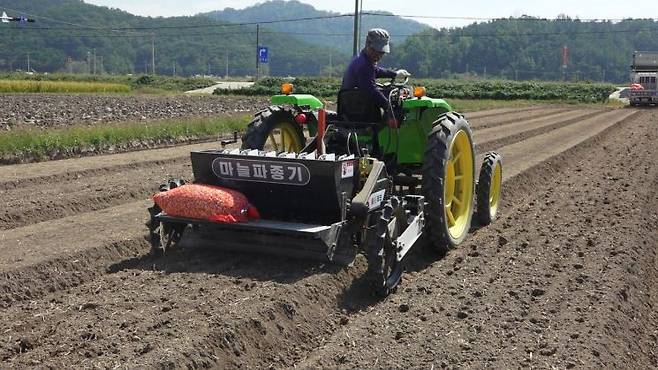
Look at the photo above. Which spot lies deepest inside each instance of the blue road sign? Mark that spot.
(22, 20)
(262, 54)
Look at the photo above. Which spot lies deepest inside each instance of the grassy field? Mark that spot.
(139, 83)
(26, 86)
(41, 144)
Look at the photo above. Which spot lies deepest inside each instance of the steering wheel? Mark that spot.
(392, 83)
(406, 80)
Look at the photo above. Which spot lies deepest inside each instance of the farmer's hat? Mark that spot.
(378, 40)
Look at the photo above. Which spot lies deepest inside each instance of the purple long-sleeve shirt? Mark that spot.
(361, 74)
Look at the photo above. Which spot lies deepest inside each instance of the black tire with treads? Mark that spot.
(486, 211)
(437, 154)
(265, 121)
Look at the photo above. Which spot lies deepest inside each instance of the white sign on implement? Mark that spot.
(347, 169)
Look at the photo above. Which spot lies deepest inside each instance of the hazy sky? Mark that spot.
(584, 9)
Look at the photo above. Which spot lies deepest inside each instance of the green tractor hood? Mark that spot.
(426, 102)
(302, 100)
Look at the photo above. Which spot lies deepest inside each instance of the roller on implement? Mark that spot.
(331, 185)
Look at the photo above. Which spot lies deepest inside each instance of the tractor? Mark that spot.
(332, 184)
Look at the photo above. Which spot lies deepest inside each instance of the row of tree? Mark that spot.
(71, 36)
(530, 48)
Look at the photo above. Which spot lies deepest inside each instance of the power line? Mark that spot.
(78, 26)
(209, 25)
(435, 34)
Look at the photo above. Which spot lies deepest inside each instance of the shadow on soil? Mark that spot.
(234, 264)
(357, 295)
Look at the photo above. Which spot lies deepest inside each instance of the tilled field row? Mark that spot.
(301, 302)
(36, 110)
(101, 182)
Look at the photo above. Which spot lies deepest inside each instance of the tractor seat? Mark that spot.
(356, 106)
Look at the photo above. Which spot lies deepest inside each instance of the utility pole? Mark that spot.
(101, 69)
(356, 28)
(28, 62)
(94, 60)
(358, 31)
(257, 54)
(174, 69)
(88, 62)
(331, 64)
(153, 53)
(226, 64)
(565, 61)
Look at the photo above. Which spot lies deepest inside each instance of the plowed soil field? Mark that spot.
(567, 277)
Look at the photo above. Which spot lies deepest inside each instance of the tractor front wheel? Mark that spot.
(449, 181)
(274, 129)
(489, 187)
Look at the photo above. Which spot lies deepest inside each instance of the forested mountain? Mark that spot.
(529, 48)
(334, 32)
(68, 33)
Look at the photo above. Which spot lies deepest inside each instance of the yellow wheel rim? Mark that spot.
(458, 187)
(283, 138)
(494, 191)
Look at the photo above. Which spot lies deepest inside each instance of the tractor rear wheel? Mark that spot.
(488, 188)
(449, 181)
(274, 129)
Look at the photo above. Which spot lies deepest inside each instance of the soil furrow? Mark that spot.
(497, 138)
(504, 119)
(49, 201)
(526, 154)
(24, 175)
(498, 112)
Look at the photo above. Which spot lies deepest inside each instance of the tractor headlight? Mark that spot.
(286, 88)
(419, 91)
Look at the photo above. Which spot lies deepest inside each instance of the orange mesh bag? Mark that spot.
(206, 202)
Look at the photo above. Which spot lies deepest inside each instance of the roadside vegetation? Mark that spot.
(87, 83)
(26, 86)
(456, 89)
(34, 144)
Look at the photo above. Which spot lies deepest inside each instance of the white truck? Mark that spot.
(644, 73)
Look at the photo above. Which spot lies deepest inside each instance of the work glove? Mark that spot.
(401, 74)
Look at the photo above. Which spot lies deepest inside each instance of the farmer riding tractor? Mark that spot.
(357, 186)
(431, 149)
